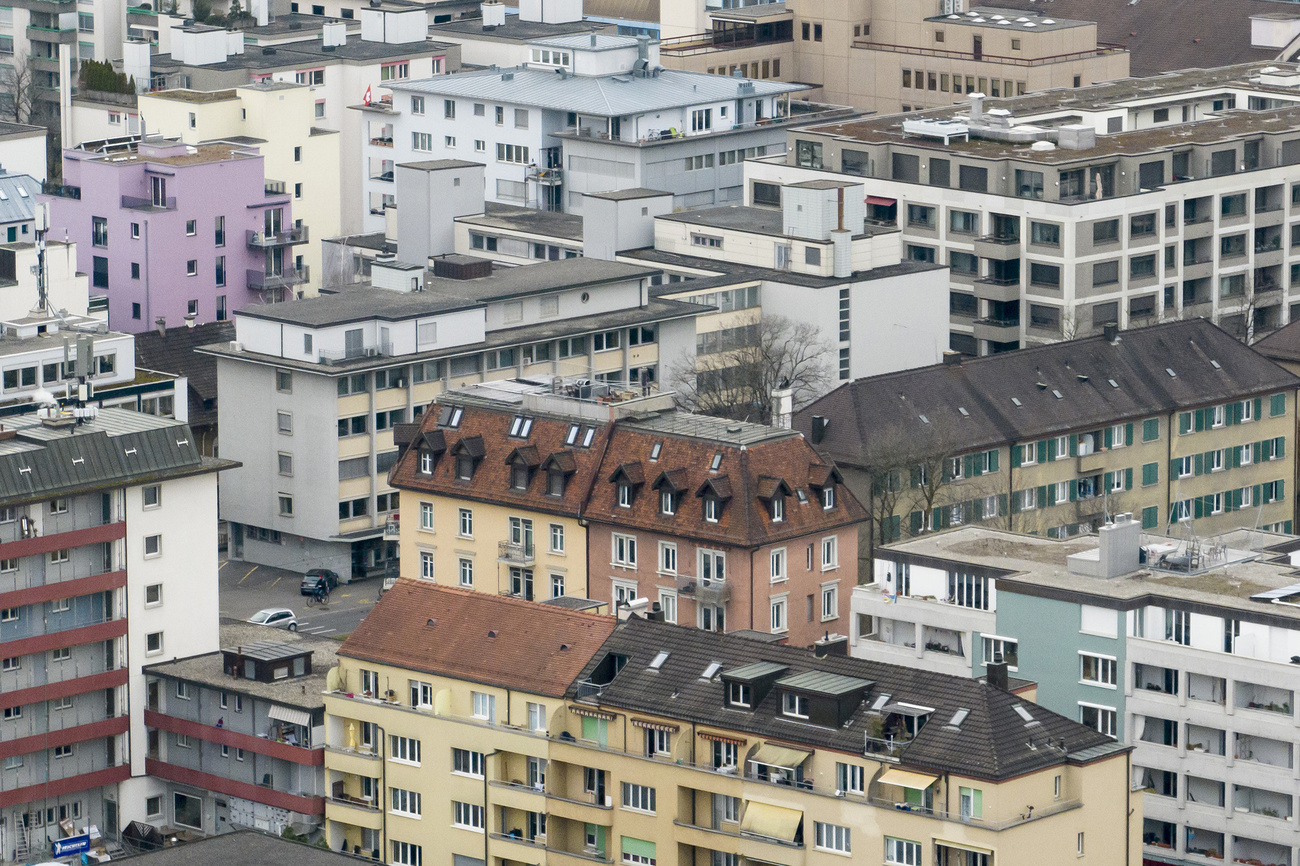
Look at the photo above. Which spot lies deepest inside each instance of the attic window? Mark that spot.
(554, 483)
(1015, 401)
(740, 695)
(519, 476)
(1057, 394)
(778, 509)
(464, 467)
(572, 435)
(654, 452)
(880, 702)
(803, 497)
(624, 495)
(924, 420)
(712, 669)
(794, 705)
(659, 660)
(711, 509)
(1170, 371)
(520, 427)
(717, 461)
(1113, 383)
(451, 417)
(1215, 365)
(962, 410)
(828, 497)
(667, 504)
(1022, 712)
(959, 717)
(588, 436)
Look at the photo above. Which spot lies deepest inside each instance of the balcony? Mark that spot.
(60, 191)
(997, 330)
(1256, 801)
(1254, 696)
(52, 34)
(998, 247)
(131, 202)
(993, 288)
(550, 176)
(513, 553)
(273, 187)
(706, 591)
(261, 240)
(260, 281)
(378, 350)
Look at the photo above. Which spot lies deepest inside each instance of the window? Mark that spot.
(1178, 626)
(426, 565)
(1098, 718)
(1097, 670)
(422, 141)
(467, 815)
(152, 545)
(404, 749)
(465, 523)
(667, 557)
(830, 553)
(58, 556)
(850, 778)
(832, 837)
(830, 602)
(624, 550)
(406, 854)
(780, 621)
(98, 232)
(794, 705)
(778, 565)
(467, 762)
(485, 706)
(739, 695)
(901, 852)
(284, 381)
(405, 802)
(153, 643)
(640, 798)
(1001, 649)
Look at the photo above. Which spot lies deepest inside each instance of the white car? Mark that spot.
(276, 617)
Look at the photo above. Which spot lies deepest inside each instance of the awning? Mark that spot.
(290, 715)
(881, 200)
(656, 726)
(907, 779)
(779, 756)
(775, 822)
(592, 714)
(963, 846)
(722, 738)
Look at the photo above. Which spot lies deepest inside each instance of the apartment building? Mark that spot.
(586, 113)
(1132, 202)
(1174, 422)
(891, 56)
(159, 246)
(22, 150)
(239, 734)
(674, 745)
(1179, 646)
(374, 357)
(172, 350)
(497, 36)
(109, 531)
(279, 121)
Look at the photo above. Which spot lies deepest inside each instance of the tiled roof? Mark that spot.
(744, 477)
(1281, 345)
(1043, 391)
(173, 352)
(482, 638)
(993, 741)
(484, 435)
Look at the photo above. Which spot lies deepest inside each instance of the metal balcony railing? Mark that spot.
(292, 235)
(131, 202)
(259, 280)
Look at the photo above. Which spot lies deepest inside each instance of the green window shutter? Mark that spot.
(1173, 468)
(1277, 405)
(1002, 505)
(1042, 496)
(1150, 474)
(1107, 438)
(1128, 478)
(914, 523)
(1150, 429)
(1286, 527)
(1200, 464)
(1200, 420)
(978, 810)
(1227, 501)
(937, 519)
(993, 460)
(895, 527)
(1107, 479)
(1074, 490)
(916, 477)
(1016, 451)
(977, 509)
(1198, 507)
(968, 466)
(1051, 449)
(1234, 457)
(1256, 492)
(1015, 502)
(1255, 447)
(1236, 413)
(1042, 452)
(1074, 445)
(1128, 434)
(1150, 517)
(1236, 498)
(1184, 422)
(1259, 408)
(1280, 447)
(1279, 490)
(638, 847)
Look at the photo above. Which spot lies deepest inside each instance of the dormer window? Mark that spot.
(666, 504)
(624, 495)
(778, 509)
(828, 498)
(464, 467)
(793, 705)
(739, 695)
(519, 477)
(426, 463)
(555, 483)
(711, 509)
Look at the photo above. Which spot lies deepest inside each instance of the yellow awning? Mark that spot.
(906, 779)
(779, 756)
(964, 846)
(775, 822)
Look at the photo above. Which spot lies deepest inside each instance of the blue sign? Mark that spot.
(71, 845)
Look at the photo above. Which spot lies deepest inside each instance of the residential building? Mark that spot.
(1281, 347)
(501, 37)
(159, 246)
(674, 746)
(1138, 201)
(67, 290)
(277, 120)
(18, 206)
(242, 846)
(373, 357)
(1173, 422)
(239, 734)
(891, 55)
(23, 150)
(586, 114)
(108, 530)
(173, 350)
(1179, 646)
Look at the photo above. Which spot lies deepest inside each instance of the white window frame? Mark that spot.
(668, 557)
(830, 592)
(779, 565)
(830, 553)
(836, 838)
(484, 706)
(1103, 665)
(426, 516)
(623, 550)
(780, 614)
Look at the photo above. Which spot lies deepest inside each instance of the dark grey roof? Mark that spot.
(174, 353)
(626, 194)
(294, 54)
(527, 219)
(1281, 345)
(440, 165)
(513, 29)
(572, 602)
(242, 848)
(731, 273)
(118, 447)
(9, 128)
(993, 742)
(1044, 391)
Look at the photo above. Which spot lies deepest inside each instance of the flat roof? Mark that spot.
(1009, 19)
(720, 430)
(635, 192)
(513, 30)
(439, 164)
(759, 220)
(526, 219)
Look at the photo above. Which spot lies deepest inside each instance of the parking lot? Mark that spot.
(247, 588)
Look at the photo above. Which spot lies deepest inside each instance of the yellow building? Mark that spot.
(278, 120)
(451, 735)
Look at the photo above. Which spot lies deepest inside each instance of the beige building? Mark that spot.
(890, 55)
(452, 733)
(278, 120)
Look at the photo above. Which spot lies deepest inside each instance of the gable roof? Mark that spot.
(1043, 391)
(1281, 345)
(173, 352)
(993, 741)
(482, 638)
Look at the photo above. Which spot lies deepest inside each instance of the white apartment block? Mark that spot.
(1131, 202)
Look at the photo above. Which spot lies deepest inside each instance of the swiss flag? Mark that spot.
(366, 99)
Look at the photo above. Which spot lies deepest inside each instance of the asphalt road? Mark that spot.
(248, 588)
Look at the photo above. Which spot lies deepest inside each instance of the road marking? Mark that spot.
(250, 571)
(277, 580)
(346, 595)
(324, 630)
(223, 565)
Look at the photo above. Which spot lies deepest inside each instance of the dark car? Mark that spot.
(313, 578)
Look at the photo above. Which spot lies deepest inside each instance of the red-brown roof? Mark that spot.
(489, 639)
(744, 477)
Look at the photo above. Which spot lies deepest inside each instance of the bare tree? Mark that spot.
(17, 90)
(737, 378)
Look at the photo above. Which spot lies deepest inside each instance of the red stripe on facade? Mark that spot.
(70, 785)
(66, 736)
(64, 589)
(61, 540)
(213, 734)
(256, 793)
(66, 688)
(69, 637)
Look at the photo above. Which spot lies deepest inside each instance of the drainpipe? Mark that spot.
(487, 831)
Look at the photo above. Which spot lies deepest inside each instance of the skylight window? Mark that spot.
(803, 497)
(712, 669)
(1113, 383)
(588, 436)
(1215, 365)
(572, 435)
(717, 461)
(659, 660)
(1058, 394)
(880, 701)
(520, 426)
(962, 410)
(654, 452)
(1170, 371)
(1022, 712)
(455, 417)
(22, 192)
(959, 716)
(1015, 401)
(925, 420)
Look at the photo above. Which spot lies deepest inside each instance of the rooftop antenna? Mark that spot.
(42, 220)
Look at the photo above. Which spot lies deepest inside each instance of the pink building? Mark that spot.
(727, 526)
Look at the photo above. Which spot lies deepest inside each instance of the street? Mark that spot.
(247, 588)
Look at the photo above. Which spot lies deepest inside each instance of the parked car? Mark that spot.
(275, 617)
(312, 579)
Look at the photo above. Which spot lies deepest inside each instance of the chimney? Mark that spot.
(160, 324)
(996, 675)
(782, 405)
(655, 613)
(976, 108)
(951, 358)
(819, 425)
(494, 13)
(190, 319)
(831, 645)
(1111, 331)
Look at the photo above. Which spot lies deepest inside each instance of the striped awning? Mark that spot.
(592, 713)
(722, 738)
(656, 726)
(290, 715)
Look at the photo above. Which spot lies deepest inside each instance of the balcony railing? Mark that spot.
(707, 590)
(514, 553)
(378, 350)
(381, 141)
(273, 187)
(61, 191)
(131, 202)
(294, 235)
(259, 280)
(590, 689)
